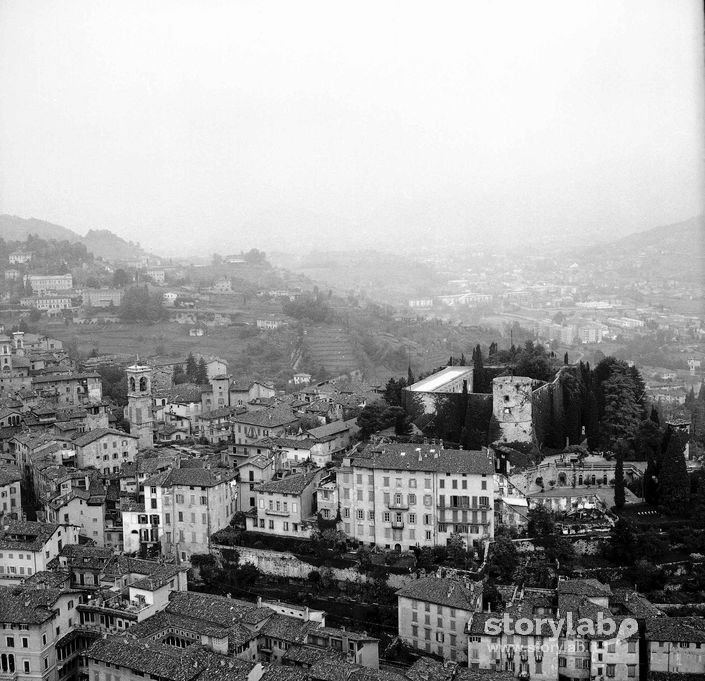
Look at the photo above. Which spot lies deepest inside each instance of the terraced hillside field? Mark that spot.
(329, 347)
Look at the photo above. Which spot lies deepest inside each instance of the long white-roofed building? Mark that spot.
(447, 381)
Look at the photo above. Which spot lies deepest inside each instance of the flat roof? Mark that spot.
(438, 380)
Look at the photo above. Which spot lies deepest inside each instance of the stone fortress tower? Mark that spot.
(511, 406)
(139, 404)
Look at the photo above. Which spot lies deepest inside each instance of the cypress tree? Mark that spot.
(619, 494)
(674, 484)
(565, 359)
(201, 372)
(410, 380)
(191, 368)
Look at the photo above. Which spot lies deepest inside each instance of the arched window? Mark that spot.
(132, 384)
(143, 384)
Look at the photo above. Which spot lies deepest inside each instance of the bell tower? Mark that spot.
(139, 404)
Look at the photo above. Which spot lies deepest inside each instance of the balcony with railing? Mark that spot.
(399, 505)
(397, 524)
(277, 512)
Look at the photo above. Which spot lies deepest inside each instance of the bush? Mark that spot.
(201, 560)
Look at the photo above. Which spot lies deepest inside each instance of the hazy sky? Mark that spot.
(294, 124)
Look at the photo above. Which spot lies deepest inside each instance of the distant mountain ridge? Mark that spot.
(686, 237)
(101, 242)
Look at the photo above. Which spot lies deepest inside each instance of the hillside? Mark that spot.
(101, 242)
(666, 252)
(13, 228)
(104, 244)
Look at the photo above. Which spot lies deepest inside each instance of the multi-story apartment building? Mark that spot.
(102, 297)
(251, 426)
(84, 508)
(41, 283)
(676, 646)
(27, 547)
(252, 471)
(434, 613)
(10, 492)
(185, 507)
(551, 644)
(105, 449)
(35, 620)
(69, 389)
(284, 506)
(402, 495)
(51, 303)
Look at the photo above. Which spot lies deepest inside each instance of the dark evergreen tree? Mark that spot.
(654, 415)
(674, 485)
(394, 392)
(651, 483)
(697, 421)
(622, 412)
(179, 376)
(191, 368)
(690, 398)
(410, 380)
(201, 372)
(619, 494)
(565, 359)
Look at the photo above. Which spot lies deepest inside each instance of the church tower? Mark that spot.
(139, 404)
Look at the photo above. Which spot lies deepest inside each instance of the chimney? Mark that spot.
(307, 614)
(259, 601)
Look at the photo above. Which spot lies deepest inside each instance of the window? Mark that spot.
(427, 483)
(610, 669)
(442, 484)
(10, 641)
(561, 662)
(8, 662)
(25, 642)
(631, 671)
(427, 500)
(484, 501)
(271, 524)
(483, 484)
(412, 483)
(631, 646)
(360, 514)
(385, 482)
(412, 518)
(25, 665)
(370, 515)
(386, 517)
(412, 499)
